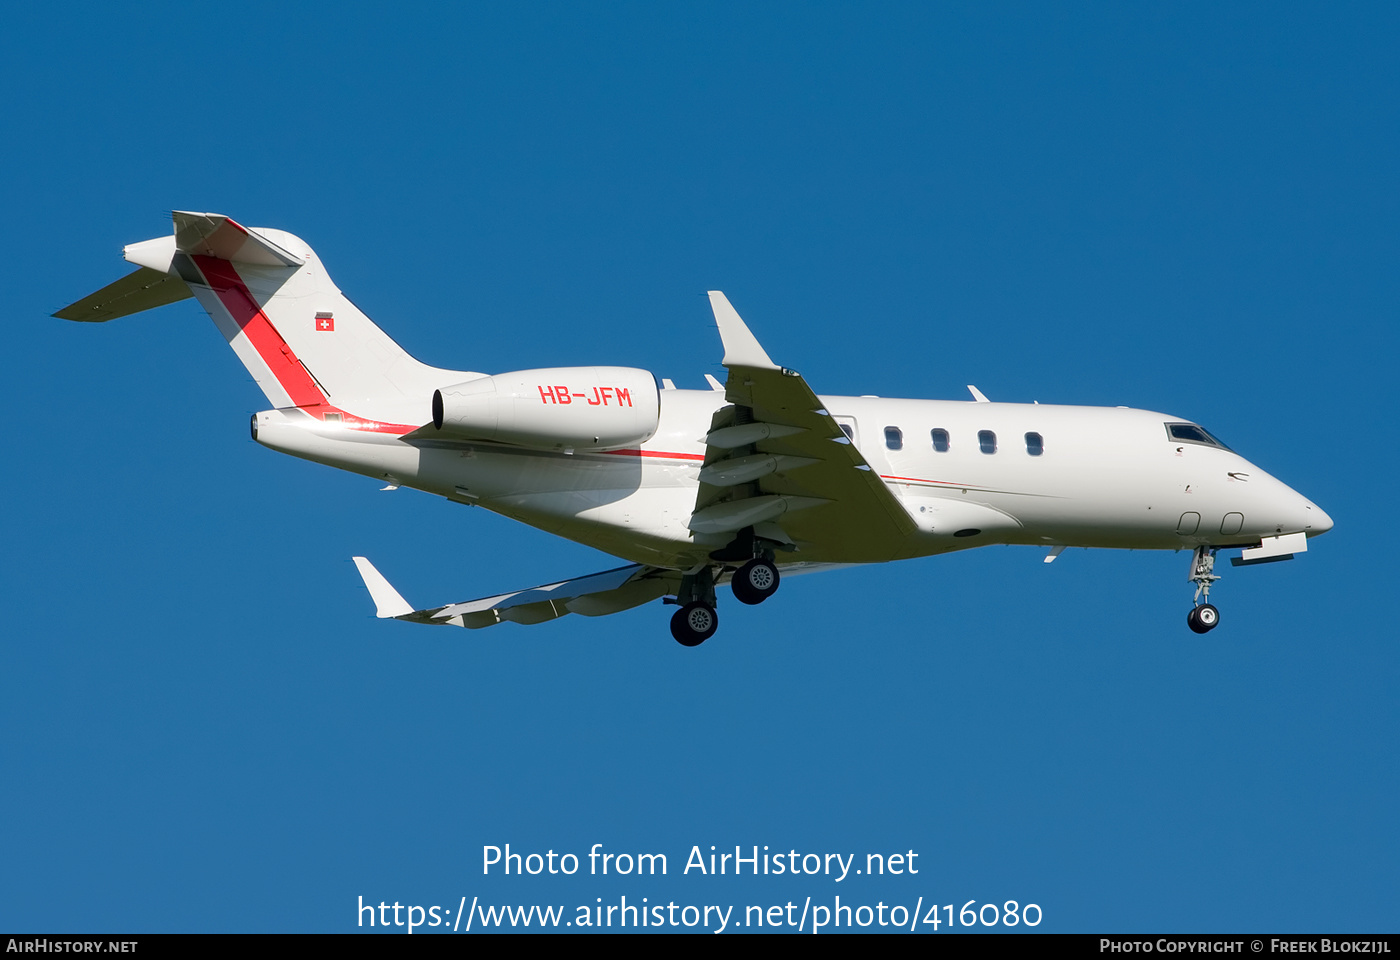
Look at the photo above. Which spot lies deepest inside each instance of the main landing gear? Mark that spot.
(755, 581)
(696, 620)
(694, 623)
(1203, 617)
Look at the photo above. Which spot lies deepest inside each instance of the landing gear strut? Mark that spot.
(1203, 616)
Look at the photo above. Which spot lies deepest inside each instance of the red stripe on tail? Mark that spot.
(280, 359)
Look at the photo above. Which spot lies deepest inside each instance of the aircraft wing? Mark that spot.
(777, 461)
(595, 595)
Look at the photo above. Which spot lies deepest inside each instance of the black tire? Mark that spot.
(1208, 617)
(694, 623)
(755, 582)
(1203, 619)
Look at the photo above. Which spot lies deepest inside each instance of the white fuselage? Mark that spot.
(697, 488)
(1104, 477)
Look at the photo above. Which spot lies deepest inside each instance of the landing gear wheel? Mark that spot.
(694, 623)
(1203, 619)
(755, 582)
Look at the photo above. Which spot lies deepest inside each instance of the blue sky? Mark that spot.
(1186, 209)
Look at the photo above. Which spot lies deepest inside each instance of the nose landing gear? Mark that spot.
(1203, 617)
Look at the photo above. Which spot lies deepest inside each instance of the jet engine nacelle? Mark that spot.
(558, 408)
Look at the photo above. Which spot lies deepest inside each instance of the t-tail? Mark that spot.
(307, 346)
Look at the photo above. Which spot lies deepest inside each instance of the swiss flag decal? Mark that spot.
(325, 322)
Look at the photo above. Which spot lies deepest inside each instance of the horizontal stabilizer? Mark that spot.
(141, 290)
(215, 235)
(594, 595)
(155, 284)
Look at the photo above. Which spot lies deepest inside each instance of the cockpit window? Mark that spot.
(1191, 433)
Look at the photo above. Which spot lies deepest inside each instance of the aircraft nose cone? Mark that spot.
(1319, 521)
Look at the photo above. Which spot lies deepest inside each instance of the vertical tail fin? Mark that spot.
(303, 341)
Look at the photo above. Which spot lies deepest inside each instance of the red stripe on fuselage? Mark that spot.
(655, 453)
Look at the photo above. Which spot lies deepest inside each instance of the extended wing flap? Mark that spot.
(594, 595)
(803, 473)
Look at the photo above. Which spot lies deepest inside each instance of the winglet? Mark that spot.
(387, 601)
(741, 347)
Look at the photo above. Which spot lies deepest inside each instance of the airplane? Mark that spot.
(741, 483)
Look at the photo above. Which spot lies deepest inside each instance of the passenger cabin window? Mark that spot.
(940, 440)
(894, 438)
(1035, 444)
(846, 429)
(1191, 433)
(987, 440)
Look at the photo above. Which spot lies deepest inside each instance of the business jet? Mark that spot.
(742, 483)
